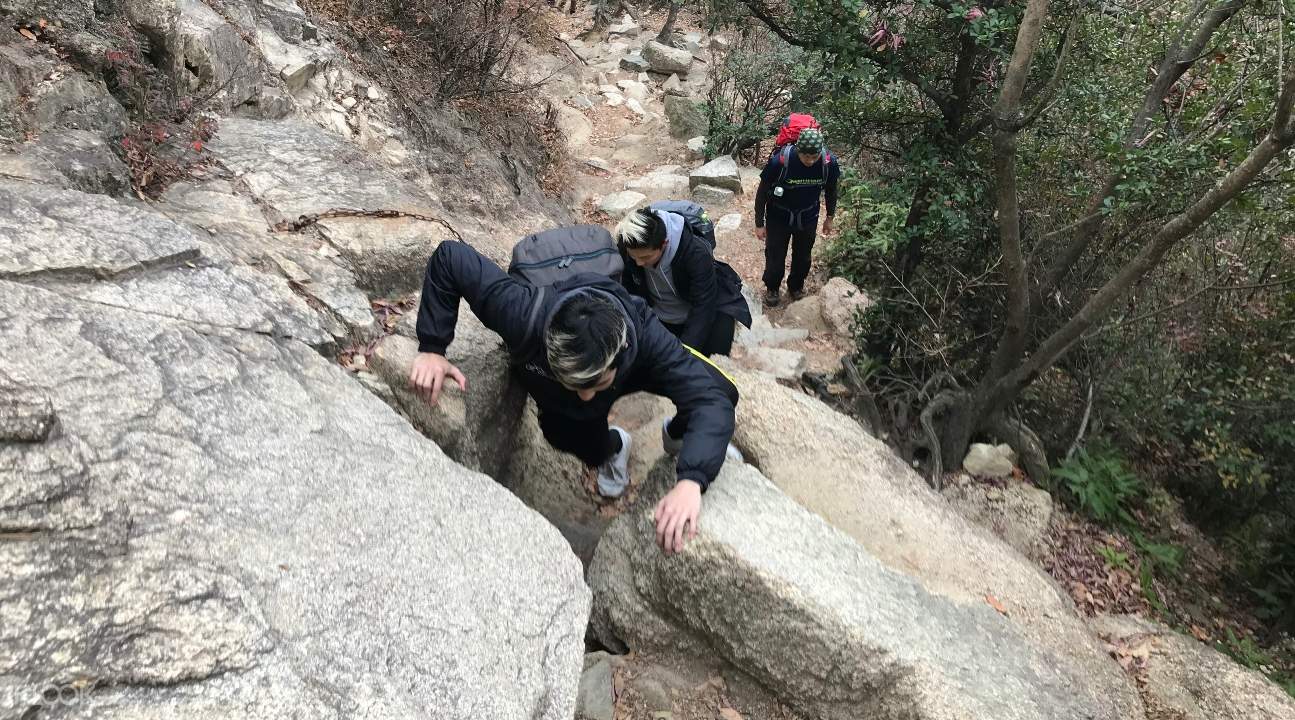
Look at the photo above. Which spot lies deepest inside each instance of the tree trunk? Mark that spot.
(1030, 454)
(963, 414)
(1007, 117)
(909, 255)
(605, 12)
(958, 421)
(667, 30)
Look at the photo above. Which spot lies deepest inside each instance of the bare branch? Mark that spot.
(1177, 61)
(1212, 287)
(1278, 141)
(882, 60)
(1047, 96)
(1083, 423)
(761, 13)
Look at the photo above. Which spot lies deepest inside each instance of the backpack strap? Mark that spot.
(784, 160)
(537, 305)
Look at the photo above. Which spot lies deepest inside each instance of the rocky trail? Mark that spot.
(635, 130)
(219, 499)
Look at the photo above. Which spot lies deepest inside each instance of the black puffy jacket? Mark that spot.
(710, 286)
(654, 362)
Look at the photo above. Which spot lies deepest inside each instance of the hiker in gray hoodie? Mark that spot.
(697, 297)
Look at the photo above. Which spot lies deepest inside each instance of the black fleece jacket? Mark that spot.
(711, 287)
(654, 362)
(803, 189)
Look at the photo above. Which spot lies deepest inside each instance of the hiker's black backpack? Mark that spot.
(554, 255)
(694, 216)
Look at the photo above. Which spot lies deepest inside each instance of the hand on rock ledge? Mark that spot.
(428, 375)
(676, 515)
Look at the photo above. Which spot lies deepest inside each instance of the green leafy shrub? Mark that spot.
(1159, 556)
(1245, 651)
(1114, 558)
(1101, 486)
(872, 224)
(748, 93)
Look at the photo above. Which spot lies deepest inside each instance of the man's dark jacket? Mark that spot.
(711, 287)
(654, 360)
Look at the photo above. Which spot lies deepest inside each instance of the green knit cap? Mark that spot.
(810, 141)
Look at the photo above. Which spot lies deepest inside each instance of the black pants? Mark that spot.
(775, 255)
(720, 340)
(591, 439)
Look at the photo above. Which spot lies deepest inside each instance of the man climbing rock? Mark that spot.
(698, 298)
(793, 183)
(578, 346)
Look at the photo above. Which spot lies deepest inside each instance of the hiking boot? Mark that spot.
(796, 294)
(671, 445)
(772, 298)
(614, 474)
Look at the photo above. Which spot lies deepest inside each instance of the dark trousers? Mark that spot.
(591, 440)
(720, 340)
(775, 256)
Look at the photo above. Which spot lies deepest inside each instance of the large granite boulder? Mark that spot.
(59, 237)
(68, 159)
(833, 631)
(666, 60)
(1183, 679)
(856, 484)
(78, 103)
(687, 118)
(842, 303)
(205, 518)
(232, 221)
(472, 427)
(1017, 512)
(293, 169)
(721, 172)
(221, 63)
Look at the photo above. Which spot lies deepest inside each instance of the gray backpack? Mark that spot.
(554, 255)
(551, 256)
(694, 216)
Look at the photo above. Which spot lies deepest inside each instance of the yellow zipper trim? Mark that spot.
(708, 361)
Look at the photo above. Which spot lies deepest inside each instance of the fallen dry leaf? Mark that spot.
(729, 714)
(27, 34)
(996, 604)
(1200, 633)
(618, 684)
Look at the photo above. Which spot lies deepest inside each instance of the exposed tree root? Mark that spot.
(1029, 449)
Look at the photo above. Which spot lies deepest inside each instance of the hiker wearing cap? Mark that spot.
(795, 180)
(577, 346)
(670, 263)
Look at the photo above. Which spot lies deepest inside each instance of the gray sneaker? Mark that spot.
(671, 445)
(614, 475)
(732, 453)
